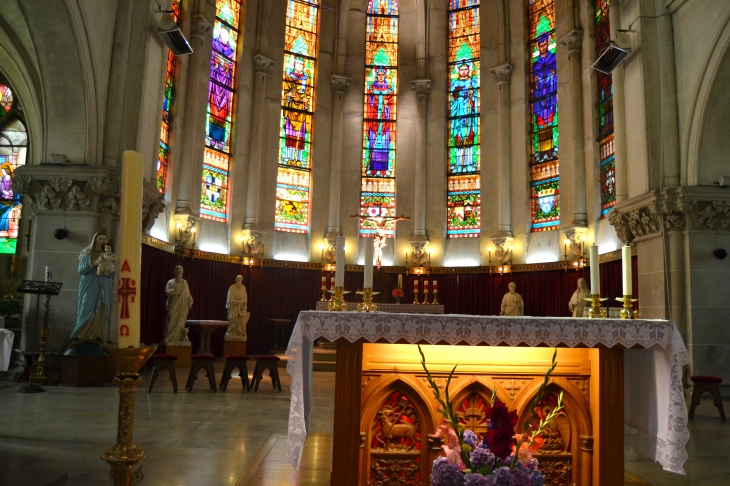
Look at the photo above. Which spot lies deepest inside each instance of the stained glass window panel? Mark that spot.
(297, 112)
(544, 116)
(605, 112)
(13, 151)
(164, 151)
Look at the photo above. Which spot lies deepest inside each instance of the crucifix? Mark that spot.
(380, 222)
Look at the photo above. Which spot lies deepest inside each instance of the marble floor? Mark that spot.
(234, 438)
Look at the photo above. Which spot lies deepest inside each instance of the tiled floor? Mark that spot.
(234, 438)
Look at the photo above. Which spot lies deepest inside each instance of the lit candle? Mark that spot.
(322, 255)
(324, 282)
(626, 267)
(193, 230)
(415, 286)
(435, 287)
(332, 283)
(368, 278)
(263, 248)
(595, 274)
(406, 260)
(400, 280)
(425, 286)
(340, 262)
(130, 249)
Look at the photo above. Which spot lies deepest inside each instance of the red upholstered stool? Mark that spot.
(264, 362)
(198, 362)
(706, 384)
(166, 362)
(234, 361)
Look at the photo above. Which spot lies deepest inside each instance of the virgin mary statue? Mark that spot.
(95, 294)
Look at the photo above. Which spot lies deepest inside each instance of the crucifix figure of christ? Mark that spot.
(380, 240)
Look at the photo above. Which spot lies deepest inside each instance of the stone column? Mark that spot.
(261, 65)
(577, 167)
(419, 219)
(192, 147)
(619, 112)
(503, 73)
(340, 84)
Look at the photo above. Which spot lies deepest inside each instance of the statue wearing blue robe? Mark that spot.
(95, 294)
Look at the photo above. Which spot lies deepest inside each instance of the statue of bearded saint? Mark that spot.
(512, 303)
(577, 304)
(238, 316)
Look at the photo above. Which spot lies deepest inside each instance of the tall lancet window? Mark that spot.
(164, 153)
(13, 149)
(605, 113)
(221, 109)
(293, 181)
(463, 194)
(544, 164)
(377, 194)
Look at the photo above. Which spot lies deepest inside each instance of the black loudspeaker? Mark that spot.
(170, 33)
(720, 254)
(610, 58)
(60, 233)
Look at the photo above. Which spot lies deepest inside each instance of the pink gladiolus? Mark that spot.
(525, 456)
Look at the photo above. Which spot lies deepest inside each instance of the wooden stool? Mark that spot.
(706, 384)
(198, 362)
(234, 361)
(264, 362)
(163, 361)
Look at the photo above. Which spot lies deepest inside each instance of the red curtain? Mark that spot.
(280, 293)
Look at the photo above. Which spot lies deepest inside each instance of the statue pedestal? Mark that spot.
(182, 350)
(234, 347)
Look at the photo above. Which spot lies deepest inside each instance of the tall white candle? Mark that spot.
(595, 273)
(340, 262)
(369, 250)
(626, 267)
(130, 249)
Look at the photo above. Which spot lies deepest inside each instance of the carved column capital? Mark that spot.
(422, 86)
(503, 73)
(330, 251)
(502, 247)
(261, 63)
(153, 203)
(184, 225)
(572, 41)
(200, 28)
(340, 83)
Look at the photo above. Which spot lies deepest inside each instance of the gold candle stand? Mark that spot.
(337, 303)
(425, 298)
(367, 304)
(40, 375)
(324, 295)
(628, 311)
(124, 455)
(415, 297)
(596, 311)
(435, 302)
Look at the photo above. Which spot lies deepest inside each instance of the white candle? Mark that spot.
(324, 283)
(595, 273)
(435, 287)
(332, 283)
(340, 262)
(626, 267)
(425, 286)
(369, 249)
(400, 280)
(415, 286)
(130, 249)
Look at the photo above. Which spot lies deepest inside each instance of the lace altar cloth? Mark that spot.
(654, 408)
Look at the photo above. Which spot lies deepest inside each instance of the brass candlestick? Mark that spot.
(324, 295)
(596, 311)
(124, 455)
(367, 304)
(435, 302)
(415, 297)
(337, 303)
(40, 375)
(628, 311)
(425, 297)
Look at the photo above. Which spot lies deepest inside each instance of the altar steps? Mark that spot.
(324, 359)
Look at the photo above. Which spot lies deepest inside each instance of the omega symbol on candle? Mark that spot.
(124, 330)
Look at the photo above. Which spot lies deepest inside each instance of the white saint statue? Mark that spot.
(237, 315)
(512, 304)
(577, 304)
(179, 301)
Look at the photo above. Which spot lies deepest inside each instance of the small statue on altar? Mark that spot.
(179, 301)
(512, 303)
(106, 261)
(577, 304)
(237, 314)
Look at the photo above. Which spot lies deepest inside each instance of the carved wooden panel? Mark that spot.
(472, 413)
(513, 385)
(557, 471)
(392, 471)
(367, 378)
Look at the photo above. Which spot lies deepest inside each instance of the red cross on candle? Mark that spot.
(127, 288)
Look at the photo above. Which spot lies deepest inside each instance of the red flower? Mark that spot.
(397, 293)
(501, 429)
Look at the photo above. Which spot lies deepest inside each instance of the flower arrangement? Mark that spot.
(397, 293)
(491, 461)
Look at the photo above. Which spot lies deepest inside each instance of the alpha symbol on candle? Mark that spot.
(125, 267)
(124, 330)
(127, 288)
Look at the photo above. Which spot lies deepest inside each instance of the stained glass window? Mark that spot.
(13, 148)
(605, 113)
(164, 153)
(544, 163)
(221, 106)
(463, 193)
(377, 193)
(293, 180)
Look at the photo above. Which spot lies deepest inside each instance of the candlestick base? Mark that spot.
(435, 294)
(628, 311)
(338, 300)
(324, 295)
(425, 298)
(596, 311)
(367, 304)
(415, 298)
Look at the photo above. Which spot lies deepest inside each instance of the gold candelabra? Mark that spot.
(596, 311)
(425, 297)
(628, 311)
(124, 455)
(367, 304)
(338, 300)
(40, 375)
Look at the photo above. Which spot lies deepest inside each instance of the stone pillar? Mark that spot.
(577, 167)
(421, 86)
(340, 84)
(668, 87)
(192, 147)
(619, 112)
(261, 65)
(503, 73)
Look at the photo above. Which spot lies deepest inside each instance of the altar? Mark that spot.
(378, 369)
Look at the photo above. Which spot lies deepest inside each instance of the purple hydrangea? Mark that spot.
(470, 438)
(536, 477)
(445, 473)
(476, 480)
(480, 457)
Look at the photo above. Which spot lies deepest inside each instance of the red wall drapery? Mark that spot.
(281, 293)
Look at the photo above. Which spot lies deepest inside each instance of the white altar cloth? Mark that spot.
(654, 408)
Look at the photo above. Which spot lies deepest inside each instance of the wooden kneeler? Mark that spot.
(198, 362)
(167, 362)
